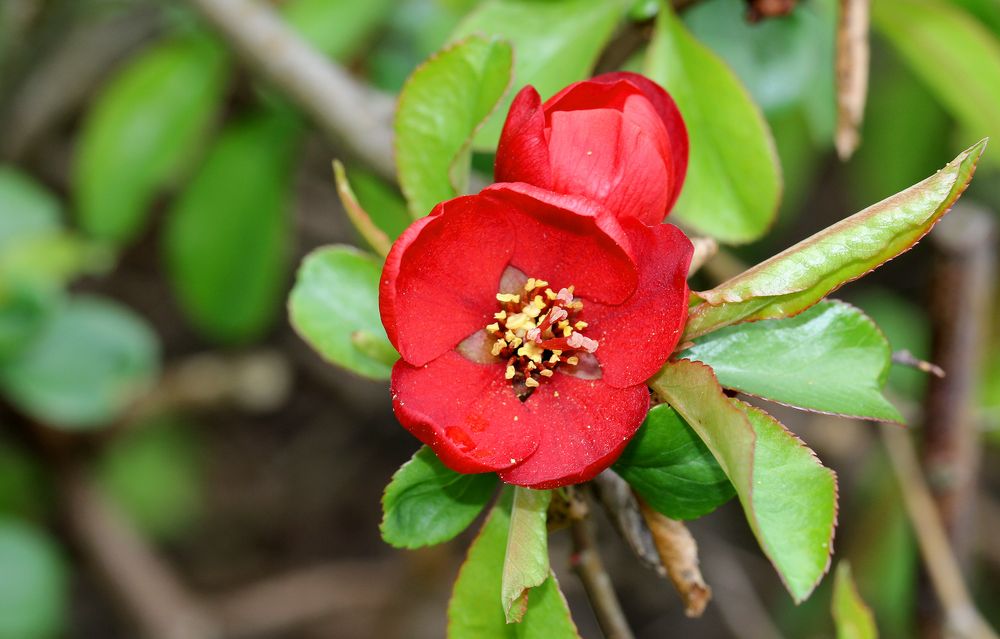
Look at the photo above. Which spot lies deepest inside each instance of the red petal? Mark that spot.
(466, 412)
(603, 154)
(440, 279)
(568, 240)
(582, 431)
(636, 338)
(607, 91)
(523, 154)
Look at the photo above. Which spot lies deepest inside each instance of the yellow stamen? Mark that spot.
(530, 284)
(493, 328)
(498, 347)
(531, 382)
(509, 297)
(549, 293)
(567, 331)
(546, 372)
(580, 325)
(501, 315)
(509, 373)
(573, 360)
(554, 359)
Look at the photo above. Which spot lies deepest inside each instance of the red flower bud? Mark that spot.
(617, 139)
(528, 323)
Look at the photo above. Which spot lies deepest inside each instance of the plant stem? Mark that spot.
(351, 113)
(588, 566)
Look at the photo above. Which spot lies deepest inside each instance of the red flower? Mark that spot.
(618, 139)
(528, 323)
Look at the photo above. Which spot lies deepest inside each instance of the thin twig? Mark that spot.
(588, 566)
(961, 616)
(351, 113)
(621, 507)
(906, 358)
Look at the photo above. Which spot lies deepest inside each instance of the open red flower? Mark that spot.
(618, 139)
(528, 323)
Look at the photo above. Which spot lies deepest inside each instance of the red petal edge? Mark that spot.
(637, 337)
(466, 412)
(440, 278)
(583, 425)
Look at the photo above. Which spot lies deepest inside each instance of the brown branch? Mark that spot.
(961, 616)
(63, 80)
(622, 509)
(143, 584)
(306, 596)
(679, 553)
(852, 74)
(906, 358)
(349, 112)
(587, 564)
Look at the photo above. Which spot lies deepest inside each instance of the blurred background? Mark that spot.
(176, 462)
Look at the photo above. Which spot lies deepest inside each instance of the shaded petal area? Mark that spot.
(567, 240)
(440, 279)
(466, 412)
(583, 425)
(636, 338)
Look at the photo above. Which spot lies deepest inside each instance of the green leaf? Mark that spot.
(526, 564)
(555, 43)
(152, 471)
(427, 503)
(145, 128)
(780, 60)
(474, 611)
(336, 27)
(227, 236)
(363, 223)
(789, 498)
(851, 615)
(441, 105)
(336, 296)
(832, 359)
(384, 203)
(956, 57)
(90, 361)
(733, 184)
(800, 276)
(28, 209)
(672, 469)
(33, 583)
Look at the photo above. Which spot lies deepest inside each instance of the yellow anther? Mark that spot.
(517, 341)
(549, 293)
(509, 297)
(573, 360)
(562, 325)
(509, 373)
(498, 347)
(532, 311)
(546, 372)
(501, 315)
(580, 325)
(532, 351)
(509, 335)
(493, 328)
(531, 366)
(519, 321)
(531, 382)
(537, 302)
(554, 359)
(540, 283)
(567, 331)
(530, 284)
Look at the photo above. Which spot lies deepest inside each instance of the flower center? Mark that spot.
(536, 331)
